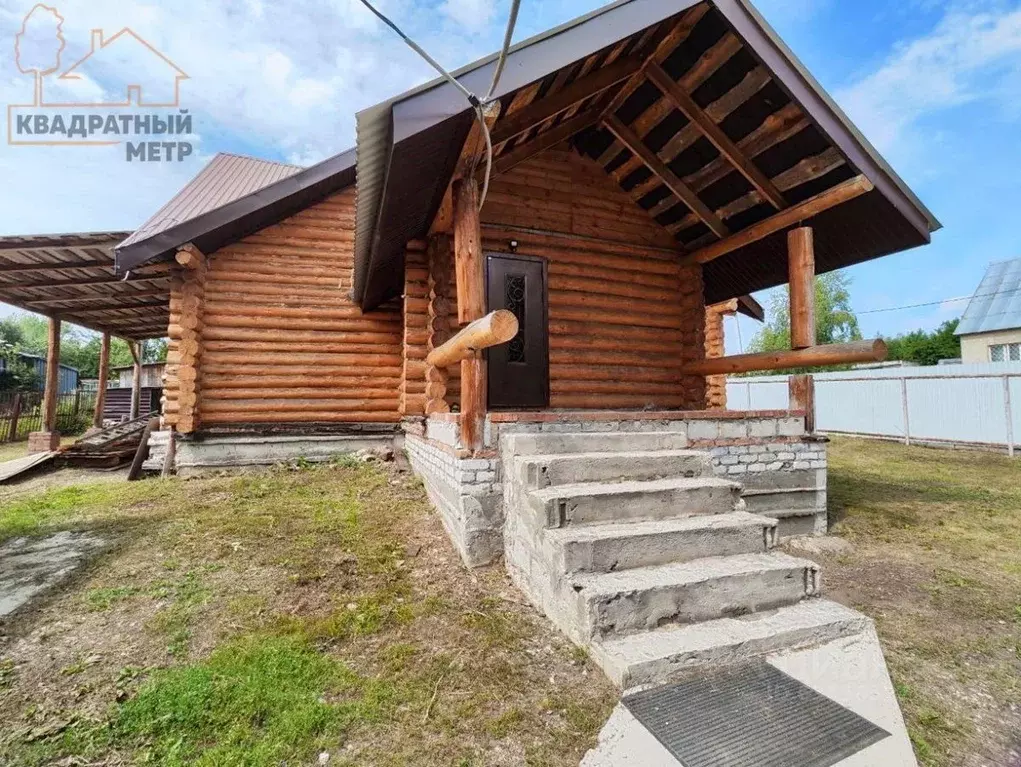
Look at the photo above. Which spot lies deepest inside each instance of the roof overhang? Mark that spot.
(71, 277)
(229, 223)
(408, 148)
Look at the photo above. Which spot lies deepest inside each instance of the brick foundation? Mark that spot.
(43, 441)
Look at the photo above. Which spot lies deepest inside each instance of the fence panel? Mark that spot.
(976, 404)
(21, 413)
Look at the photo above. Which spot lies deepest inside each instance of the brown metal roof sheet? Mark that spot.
(72, 276)
(225, 178)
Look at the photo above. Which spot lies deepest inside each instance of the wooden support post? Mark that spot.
(473, 401)
(801, 271)
(468, 264)
(104, 374)
(471, 306)
(136, 379)
(52, 377)
(802, 397)
(47, 438)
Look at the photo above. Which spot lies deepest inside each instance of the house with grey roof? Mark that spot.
(990, 329)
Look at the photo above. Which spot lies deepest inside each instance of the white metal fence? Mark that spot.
(978, 405)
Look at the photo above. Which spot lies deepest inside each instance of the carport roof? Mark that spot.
(71, 277)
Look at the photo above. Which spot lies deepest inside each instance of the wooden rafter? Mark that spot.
(53, 266)
(813, 206)
(108, 280)
(79, 299)
(542, 110)
(545, 141)
(631, 140)
(686, 104)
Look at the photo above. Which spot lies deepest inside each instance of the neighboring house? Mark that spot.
(990, 329)
(152, 375)
(650, 160)
(68, 376)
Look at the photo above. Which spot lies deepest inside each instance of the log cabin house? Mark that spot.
(650, 160)
(546, 356)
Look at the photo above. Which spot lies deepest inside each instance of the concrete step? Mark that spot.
(628, 545)
(646, 598)
(593, 442)
(539, 471)
(661, 656)
(593, 502)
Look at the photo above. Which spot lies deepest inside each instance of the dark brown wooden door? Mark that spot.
(519, 370)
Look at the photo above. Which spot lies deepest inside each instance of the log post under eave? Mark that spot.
(47, 438)
(801, 389)
(471, 306)
(801, 271)
(104, 374)
(136, 379)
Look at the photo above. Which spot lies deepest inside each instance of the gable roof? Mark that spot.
(229, 199)
(408, 146)
(996, 304)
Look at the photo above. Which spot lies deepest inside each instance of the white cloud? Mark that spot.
(969, 56)
(473, 15)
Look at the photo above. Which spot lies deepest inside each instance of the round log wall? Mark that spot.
(281, 340)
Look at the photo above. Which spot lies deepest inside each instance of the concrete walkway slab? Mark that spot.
(849, 670)
(29, 566)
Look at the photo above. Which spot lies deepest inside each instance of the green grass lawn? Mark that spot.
(937, 564)
(266, 619)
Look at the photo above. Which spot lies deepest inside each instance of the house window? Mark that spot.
(1005, 352)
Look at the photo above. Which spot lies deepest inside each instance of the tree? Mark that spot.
(79, 348)
(927, 348)
(16, 375)
(37, 47)
(834, 320)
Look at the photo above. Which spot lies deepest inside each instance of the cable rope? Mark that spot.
(476, 103)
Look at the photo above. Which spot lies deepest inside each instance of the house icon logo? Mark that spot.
(122, 86)
(40, 44)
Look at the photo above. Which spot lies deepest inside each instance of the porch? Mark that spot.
(778, 461)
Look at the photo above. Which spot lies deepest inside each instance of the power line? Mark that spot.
(943, 301)
(476, 103)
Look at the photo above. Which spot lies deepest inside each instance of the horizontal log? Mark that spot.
(380, 416)
(813, 356)
(300, 406)
(214, 381)
(214, 394)
(495, 328)
(326, 371)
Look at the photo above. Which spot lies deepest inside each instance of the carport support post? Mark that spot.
(136, 379)
(104, 374)
(48, 439)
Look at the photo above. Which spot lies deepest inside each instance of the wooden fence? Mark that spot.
(21, 413)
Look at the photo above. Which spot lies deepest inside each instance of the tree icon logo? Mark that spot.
(39, 44)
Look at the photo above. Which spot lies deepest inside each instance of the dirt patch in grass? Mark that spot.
(271, 618)
(937, 564)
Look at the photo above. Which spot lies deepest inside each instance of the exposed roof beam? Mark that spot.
(630, 139)
(546, 140)
(662, 48)
(79, 299)
(581, 89)
(108, 280)
(101, 308)
(813, 206)
(52, 266)
(750, 307)
(686, 104)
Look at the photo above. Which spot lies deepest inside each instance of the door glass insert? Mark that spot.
(514, 299)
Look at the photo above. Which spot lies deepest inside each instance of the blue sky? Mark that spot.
(935, 85)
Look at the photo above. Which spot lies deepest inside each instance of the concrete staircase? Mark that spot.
(632, 546)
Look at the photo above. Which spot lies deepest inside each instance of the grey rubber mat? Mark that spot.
(751, 716)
